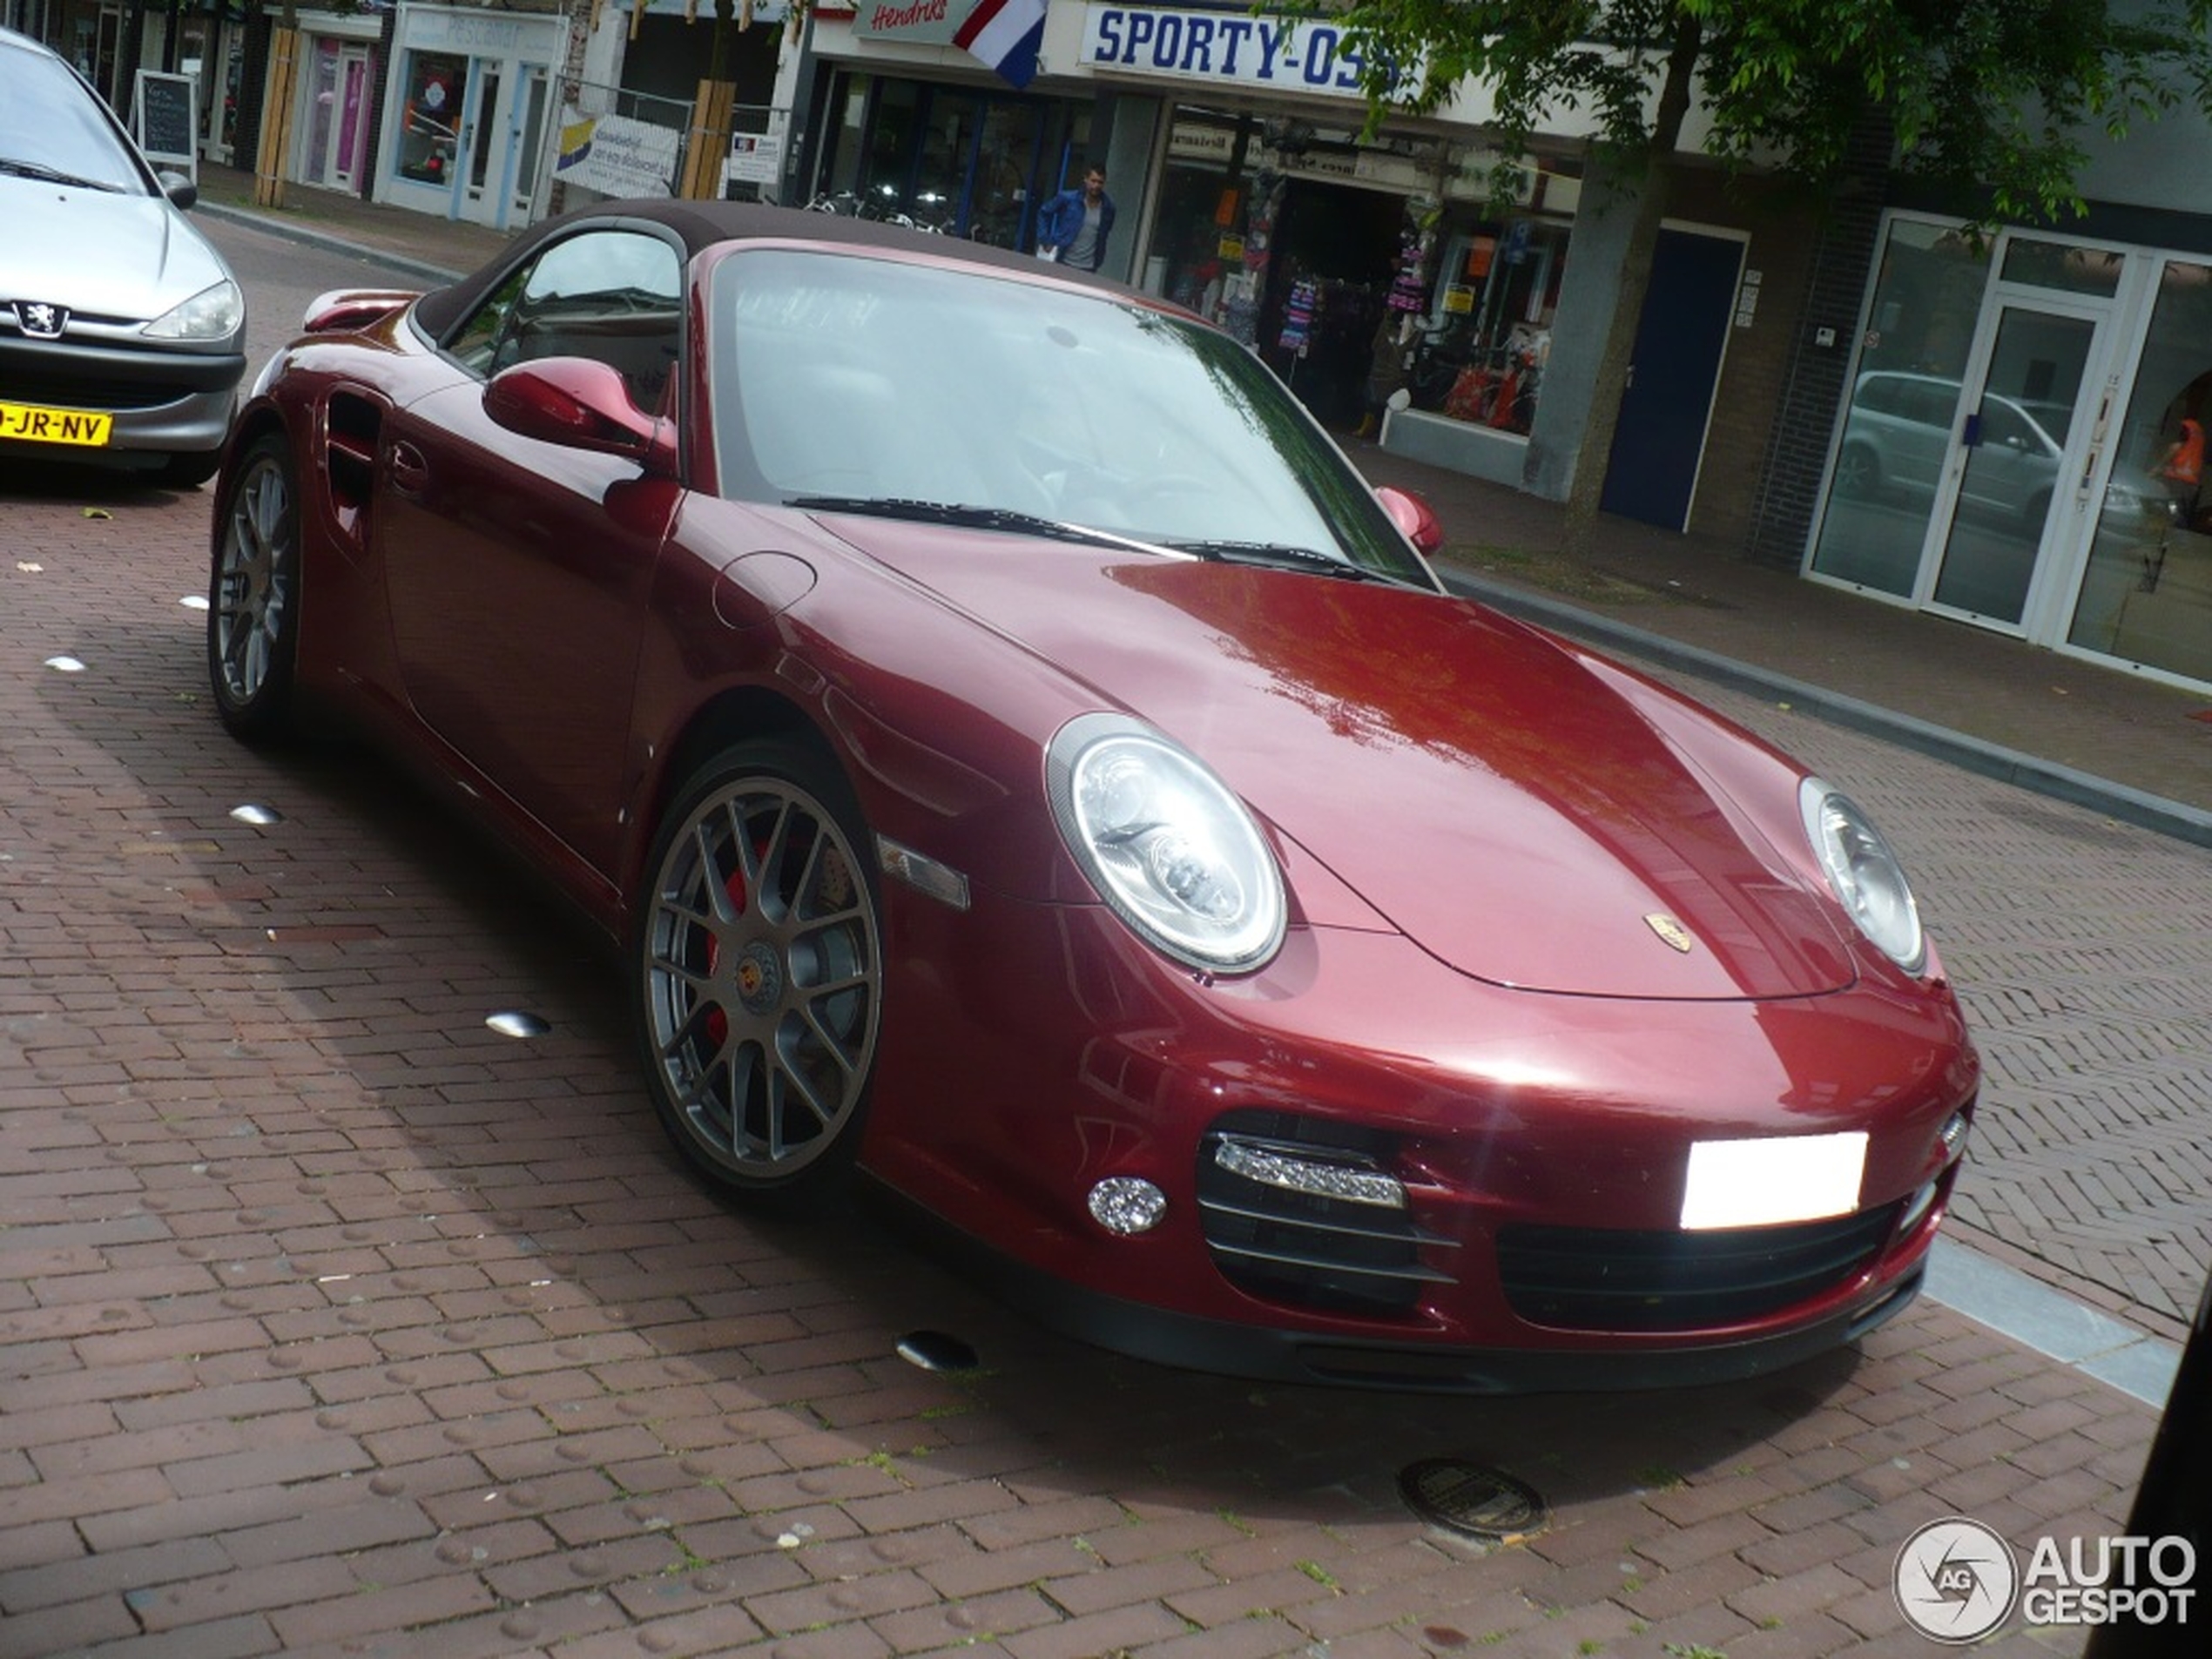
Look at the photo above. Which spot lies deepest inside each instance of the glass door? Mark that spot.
(1006, 161)
(2014, 433)
(527, 143)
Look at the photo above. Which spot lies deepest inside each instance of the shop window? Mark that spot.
(1199, 231)
(1905, 393)
(1493, 293)
(2062, 266)
(2147, 595)
(430, 120)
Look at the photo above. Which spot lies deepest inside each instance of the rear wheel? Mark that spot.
(760, 973)
(254, 593)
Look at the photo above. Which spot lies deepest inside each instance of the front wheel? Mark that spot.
(253, 593)
(758, 972)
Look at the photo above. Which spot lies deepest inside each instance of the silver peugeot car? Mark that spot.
(122, 331)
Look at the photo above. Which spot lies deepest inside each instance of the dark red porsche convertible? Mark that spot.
(1021, 760)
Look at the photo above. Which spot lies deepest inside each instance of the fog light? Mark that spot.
(1126, 1205)
(1271, 1168)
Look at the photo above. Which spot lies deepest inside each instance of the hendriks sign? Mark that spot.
(1229, 48)
(919, 23)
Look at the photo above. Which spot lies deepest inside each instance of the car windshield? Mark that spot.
(52, 128)
(847, 381)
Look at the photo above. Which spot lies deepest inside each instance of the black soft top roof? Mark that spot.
(699, 226)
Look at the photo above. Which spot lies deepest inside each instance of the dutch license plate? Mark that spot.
(28, 423)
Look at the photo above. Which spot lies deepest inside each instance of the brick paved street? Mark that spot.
(331, 1321)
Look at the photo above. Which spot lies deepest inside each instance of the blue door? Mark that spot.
(1660, 438)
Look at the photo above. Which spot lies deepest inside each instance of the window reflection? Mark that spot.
(1904, 409)
(2146, 598)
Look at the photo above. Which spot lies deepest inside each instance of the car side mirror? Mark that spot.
(181, 191)
(1415, 518)
(580, 404)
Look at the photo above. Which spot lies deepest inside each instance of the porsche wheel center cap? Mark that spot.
(760, 979)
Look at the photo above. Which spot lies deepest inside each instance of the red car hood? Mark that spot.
(1493, 798)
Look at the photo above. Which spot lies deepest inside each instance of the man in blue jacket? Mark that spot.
(1072, 226)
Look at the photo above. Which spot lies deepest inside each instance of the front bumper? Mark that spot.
(163, 402)
(1542, 1142)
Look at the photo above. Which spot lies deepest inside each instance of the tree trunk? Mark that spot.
(1594, 456)
(274, 155)
(712, 111)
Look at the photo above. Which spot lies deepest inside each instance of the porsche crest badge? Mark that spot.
(1669, 929)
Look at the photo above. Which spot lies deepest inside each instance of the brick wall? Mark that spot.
(1834, 282)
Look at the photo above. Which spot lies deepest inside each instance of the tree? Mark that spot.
(1997, 101)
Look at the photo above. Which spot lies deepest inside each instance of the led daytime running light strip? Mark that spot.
(1273, 1168)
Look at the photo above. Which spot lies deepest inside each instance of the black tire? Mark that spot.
(190, 471)
(757, 972)
(254, 593)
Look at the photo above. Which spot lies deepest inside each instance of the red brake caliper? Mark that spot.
(717, 1022)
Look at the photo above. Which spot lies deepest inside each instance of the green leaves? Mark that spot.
(1995, 102)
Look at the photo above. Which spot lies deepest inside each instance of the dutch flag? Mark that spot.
(1006, 35)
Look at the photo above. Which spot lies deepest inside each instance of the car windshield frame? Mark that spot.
(867, 376)
(54, 122)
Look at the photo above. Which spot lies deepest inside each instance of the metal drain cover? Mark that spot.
(1466, 1498)
(934, 1351)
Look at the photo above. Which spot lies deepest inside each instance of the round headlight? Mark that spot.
(1166, 843)
(1864, 873)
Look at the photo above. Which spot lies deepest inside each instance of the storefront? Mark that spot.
(208, 46)
(1357, 263)
(467, 112)
(340, 76)
(1357, 266)
(906, 124)
(1243, 187)
(2023, 446)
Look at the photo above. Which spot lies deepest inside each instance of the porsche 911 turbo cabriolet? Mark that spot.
(1020, 762)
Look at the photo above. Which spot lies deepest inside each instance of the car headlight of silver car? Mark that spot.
(1864, 873)
(1167, 844)
(213, 313)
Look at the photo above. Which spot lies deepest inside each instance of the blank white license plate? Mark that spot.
(1765, 1182)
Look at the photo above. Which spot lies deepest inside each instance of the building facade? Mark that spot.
(2017, 441)
(1249, 189)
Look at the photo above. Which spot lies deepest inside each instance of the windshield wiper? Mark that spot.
(972, 518)
(1284, 555)
(44, 174)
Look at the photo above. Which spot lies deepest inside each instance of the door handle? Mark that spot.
(410, 472)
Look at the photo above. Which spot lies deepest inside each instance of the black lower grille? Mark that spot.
(78, 392)
(1595, 1278)
(1309, 1250)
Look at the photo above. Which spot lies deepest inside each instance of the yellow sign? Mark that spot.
(28, 423)
(1458, 299)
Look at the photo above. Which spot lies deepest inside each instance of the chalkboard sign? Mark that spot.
(164, 119)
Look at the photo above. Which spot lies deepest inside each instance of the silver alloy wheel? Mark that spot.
(251, 602)
(763, 979)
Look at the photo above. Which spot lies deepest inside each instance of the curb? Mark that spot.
(253, 218)
(2114, 800)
